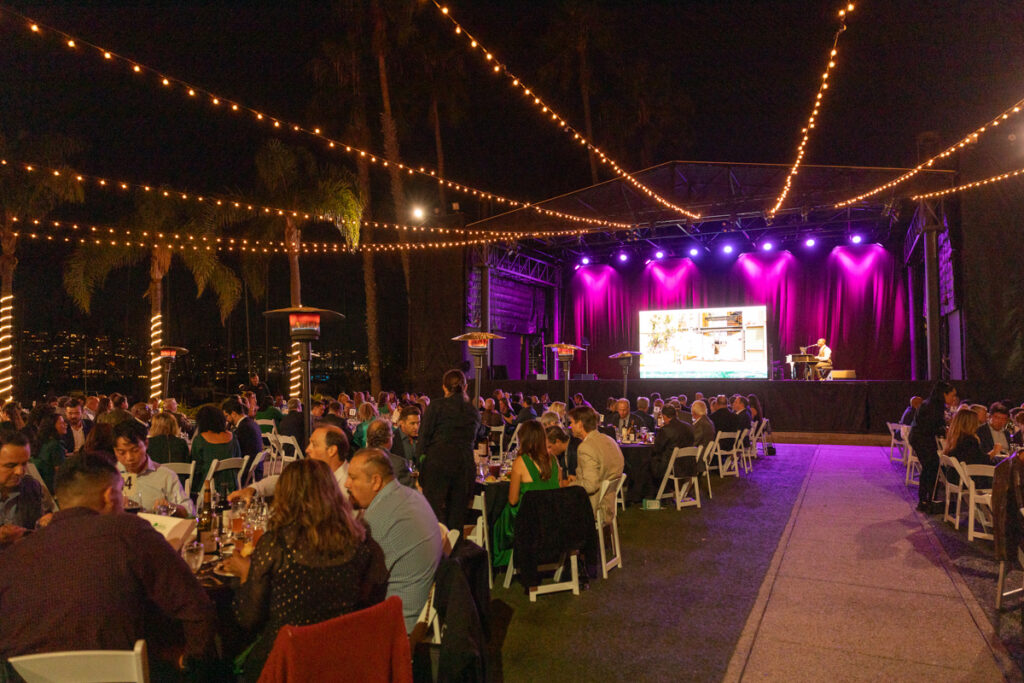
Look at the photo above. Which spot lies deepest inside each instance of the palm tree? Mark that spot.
(27, 197)
(89, 266)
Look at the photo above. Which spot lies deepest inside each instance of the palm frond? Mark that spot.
(89, 266)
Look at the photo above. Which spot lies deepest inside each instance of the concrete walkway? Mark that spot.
(860, 589)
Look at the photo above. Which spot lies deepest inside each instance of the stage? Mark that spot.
(857, 406)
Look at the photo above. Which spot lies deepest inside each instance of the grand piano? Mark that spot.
(799, 364)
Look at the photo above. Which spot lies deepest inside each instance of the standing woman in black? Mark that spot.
(929, 424)
(445, 451)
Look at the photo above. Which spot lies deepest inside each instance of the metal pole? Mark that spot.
(479, 360)
(625, 380)
(307, 414)
(931, 287)
(167, 378)
(565, 373)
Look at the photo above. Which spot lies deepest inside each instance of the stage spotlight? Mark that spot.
(727, 249)
(659, 254)
(585, 261)
(767, 246)
(856, 239)
(810, 242)
(623, 256)
(693, 252)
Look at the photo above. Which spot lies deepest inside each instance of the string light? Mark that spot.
(1013, 110)
(156, 379)
(970, 186)
(549, 111)
(295, 373)
(819, 97)
(6, 337)
(215, 99)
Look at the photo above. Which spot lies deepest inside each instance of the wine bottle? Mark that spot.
(204, 522)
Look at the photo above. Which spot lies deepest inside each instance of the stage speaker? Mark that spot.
(585, 376)
(499, 372)
(843, 374)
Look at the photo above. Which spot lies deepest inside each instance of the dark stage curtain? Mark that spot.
(854, 296)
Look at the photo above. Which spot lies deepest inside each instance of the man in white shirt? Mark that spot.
(824, 358)
(147, 483)
(327, 443)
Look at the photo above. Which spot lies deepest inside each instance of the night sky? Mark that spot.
(734, 81)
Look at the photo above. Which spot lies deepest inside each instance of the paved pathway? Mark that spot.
(860, 589)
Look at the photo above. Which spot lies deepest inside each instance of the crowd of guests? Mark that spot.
(973, 434)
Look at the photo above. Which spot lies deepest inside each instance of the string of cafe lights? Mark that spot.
(1011, 111)
(220, 102)
(812, 119)
(499, 67)
(244, 205)
(972, 185)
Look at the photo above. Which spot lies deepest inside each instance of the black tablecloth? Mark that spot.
(638, 458)
(495, 498)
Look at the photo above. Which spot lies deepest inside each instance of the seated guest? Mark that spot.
(101, 441)
(78, 426)
(621, 418)
(756, 413)
(505, 412)
(723, 418)
(23, 502)
(141, 412)
(610, 408)
(327, 444)
(403, 523)
(294, 423)
(247, 432)
(14, 418)
(93, 576)
(703, 428)
(558, 408)
(185, 425)
(962, 443)
(213, 441)
(549, 419)
(336, 417)
(527, 412)
(673, 434)
(643, 413)
(533, 470)
(562, 446)
(165, 442)
(599, 458)
(406, 434)
(911, 412)
(379, 435)
(742, 415)
(50, 451)
(993, 435)
(266, 410)
(683, 413)
(146, 482)
(489, 416)
(314, 563)
(365, 413)
(1018, 434)
(578, 400)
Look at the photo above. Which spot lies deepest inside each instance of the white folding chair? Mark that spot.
(979, 502)
(228, 464)
(913, 475)
(186, 469)
(620, 497)
(731, 465)
(951, 490)
(755, 436)
(742, 452)
(267, 426)
(609, 487)
(250, 473)
(499, 431)
(85, 666)
(940, 442)
(478, 533)
(573, 583)
(289, 443)
(706, 454)
(513, 441)
(679, 493)
(895, 441)
(765, 435)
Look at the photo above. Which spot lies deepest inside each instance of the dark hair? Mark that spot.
(669, 411)
(265, 402)
(210, 418)
(48, 428)
(455, 382)
(83, 472)
(73, 403)
(233, 405)
(585, 416)
(12, 438)
(103, 406)
(377, 461)
(533, 443)
(755, 403)
(334, 406)
(555, 433)
(406, 411)
(100, 439)
(527, 401)
(998, 408)
(378, 434)
(742, 399)
(940, 389)
(130, 430)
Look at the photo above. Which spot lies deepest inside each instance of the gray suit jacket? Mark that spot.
(703, 432)
(599, 459)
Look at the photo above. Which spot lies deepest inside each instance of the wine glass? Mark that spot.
(193, 553)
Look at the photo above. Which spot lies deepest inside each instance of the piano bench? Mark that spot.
(843, 374)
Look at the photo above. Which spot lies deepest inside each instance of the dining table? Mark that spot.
(637, 458)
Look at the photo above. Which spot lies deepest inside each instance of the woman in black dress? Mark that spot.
(445, 450)
(930, 423)
(314, 563)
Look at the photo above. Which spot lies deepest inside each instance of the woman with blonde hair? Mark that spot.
(365, 413)
(314, 563)
(165, 443)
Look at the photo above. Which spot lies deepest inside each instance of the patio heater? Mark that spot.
(565, 354)
(167, 356)
(625, 359)
(477, 343)
(304, 329)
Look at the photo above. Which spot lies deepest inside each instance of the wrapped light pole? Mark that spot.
(565, 354)
(477, 343)
(625, 359)
(167, 356)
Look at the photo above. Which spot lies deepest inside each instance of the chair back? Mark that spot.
(228, 464)
(250, 473)
(267, 426)
(183, 469)
(513, 441)
(289, 446)
(86, 666)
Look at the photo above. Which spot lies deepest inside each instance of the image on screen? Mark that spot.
(704, 342)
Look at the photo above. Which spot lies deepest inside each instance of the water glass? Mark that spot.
(193, 553)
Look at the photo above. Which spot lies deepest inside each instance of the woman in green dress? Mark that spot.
(51, 453)
(533, 470)
(165, 442)
(366, 413)
(212, 442)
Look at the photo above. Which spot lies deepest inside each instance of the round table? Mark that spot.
(637, 458)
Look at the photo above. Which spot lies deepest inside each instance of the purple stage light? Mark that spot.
(693, 252)
(623, 257)
(659, 254)
(856, 239)
(585, 260)
(810, 242)
(727, 249)
(767, 246)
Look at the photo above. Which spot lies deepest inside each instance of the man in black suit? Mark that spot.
(703, 429)
(673, 434)
(993, 434)
(294, 423)
(78, 426)
(247, 432)
(257, 387)
(526, 413)
(403, 443)
(642, 413)
(742, 411)
(723, 419)
(683, 411)
(334, 417)
(911, 412)
(563, 447)
(622, 419)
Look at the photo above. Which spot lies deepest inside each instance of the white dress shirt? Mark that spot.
(154, 483)
(267, 485)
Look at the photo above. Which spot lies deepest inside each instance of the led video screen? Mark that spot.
(704, 342)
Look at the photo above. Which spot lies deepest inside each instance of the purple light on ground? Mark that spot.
(810, 242)
(856, 239)
(767, 246)
(623, 257)
(693, 252)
